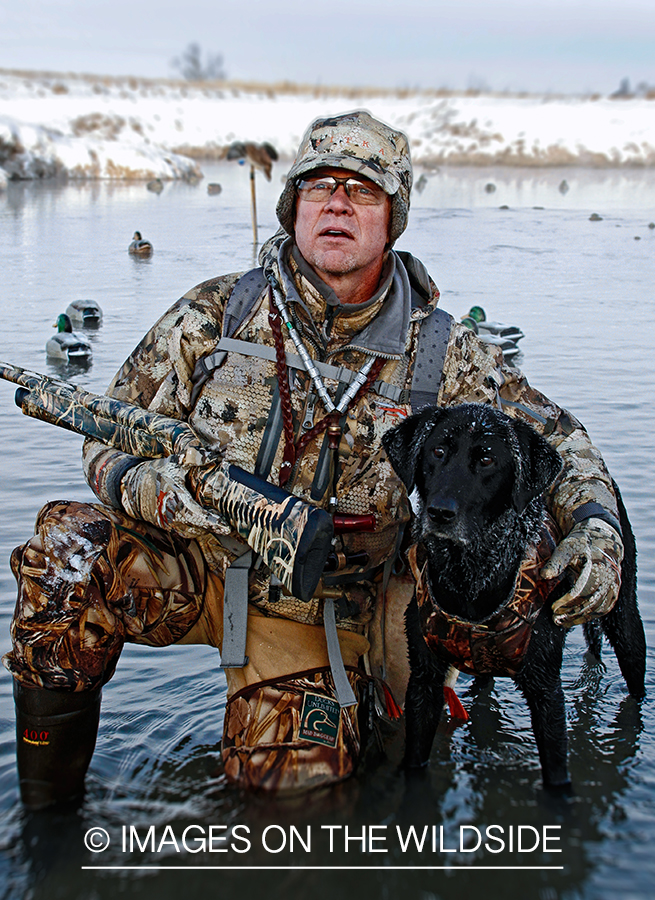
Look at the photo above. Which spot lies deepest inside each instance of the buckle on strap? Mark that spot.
(235, 613)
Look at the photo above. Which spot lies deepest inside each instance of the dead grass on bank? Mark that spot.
(101, 83)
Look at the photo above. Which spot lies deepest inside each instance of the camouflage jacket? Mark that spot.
(231, 411)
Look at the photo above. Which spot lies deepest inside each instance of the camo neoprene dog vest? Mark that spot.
(497, 644)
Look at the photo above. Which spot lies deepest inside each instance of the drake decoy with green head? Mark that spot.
(510, 332)
(506, 343)
(66, 345)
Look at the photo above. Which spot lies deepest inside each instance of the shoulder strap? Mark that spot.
(430, 357)
(244, 295)
(242, 299)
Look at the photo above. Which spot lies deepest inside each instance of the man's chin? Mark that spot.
(334, 263)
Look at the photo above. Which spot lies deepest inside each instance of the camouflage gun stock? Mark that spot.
(293, 538)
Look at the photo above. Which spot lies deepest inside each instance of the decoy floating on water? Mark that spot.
(156, 186)
(511, 332)
(139, 247)
(497, 333)
(86, 313)
(66, 345)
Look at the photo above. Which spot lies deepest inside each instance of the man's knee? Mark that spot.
(90, 579)
(63, 636)
(69, 536)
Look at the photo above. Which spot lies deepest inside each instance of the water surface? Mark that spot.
(582, 291)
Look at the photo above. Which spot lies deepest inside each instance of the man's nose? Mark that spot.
(339, 201)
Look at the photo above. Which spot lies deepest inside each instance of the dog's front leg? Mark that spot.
(541, 685)
(424, 699)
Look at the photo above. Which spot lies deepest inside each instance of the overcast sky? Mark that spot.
(536, 45)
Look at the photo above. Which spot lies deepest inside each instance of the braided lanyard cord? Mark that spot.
(366, 377)
(290, 453)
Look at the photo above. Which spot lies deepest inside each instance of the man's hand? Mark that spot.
(156, 491)
(593, 552)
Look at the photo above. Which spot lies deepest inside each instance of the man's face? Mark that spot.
(338, 237)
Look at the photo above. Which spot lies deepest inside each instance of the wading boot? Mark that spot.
(55, 737)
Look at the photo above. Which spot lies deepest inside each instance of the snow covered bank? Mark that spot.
(98, 127)
(37, 151)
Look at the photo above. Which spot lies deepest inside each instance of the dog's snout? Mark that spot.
(442, 513)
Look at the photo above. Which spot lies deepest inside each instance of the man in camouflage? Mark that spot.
(145, 565)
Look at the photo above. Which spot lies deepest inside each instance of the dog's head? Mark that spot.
(469, 465)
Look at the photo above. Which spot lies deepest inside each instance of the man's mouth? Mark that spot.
(336, 233)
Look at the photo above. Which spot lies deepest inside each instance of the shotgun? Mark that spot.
(293, 538)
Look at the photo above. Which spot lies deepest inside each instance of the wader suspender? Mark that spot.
(431, 351)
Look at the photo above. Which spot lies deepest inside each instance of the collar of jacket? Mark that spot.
(385, 333)
(496, 645)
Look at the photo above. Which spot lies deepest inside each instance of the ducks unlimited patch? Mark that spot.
(319, 720)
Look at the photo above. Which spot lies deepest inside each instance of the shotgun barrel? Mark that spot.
(293, 538)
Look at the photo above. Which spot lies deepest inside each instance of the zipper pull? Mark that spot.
(310, 407)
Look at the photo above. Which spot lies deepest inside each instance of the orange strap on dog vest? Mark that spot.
(455, 708)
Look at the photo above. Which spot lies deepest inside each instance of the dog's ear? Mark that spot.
(403, 445)
(540, 464)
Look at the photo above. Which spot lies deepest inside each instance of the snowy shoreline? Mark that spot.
(85, 126)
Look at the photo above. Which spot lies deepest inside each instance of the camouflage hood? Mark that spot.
(383, 331)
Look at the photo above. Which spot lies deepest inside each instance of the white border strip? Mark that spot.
(327, 868)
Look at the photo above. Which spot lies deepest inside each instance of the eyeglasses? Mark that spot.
(318, 190)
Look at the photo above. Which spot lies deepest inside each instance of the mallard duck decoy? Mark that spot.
(260, 156)
(139, 247)
(156, 186)
(86, 313)
(66, 345)
(507, 345)
(510, 332)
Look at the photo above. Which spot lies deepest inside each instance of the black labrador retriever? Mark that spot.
(480, 536)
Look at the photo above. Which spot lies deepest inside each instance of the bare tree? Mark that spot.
(623, 91)
(191, 67)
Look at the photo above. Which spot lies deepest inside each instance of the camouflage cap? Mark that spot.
(357, 142)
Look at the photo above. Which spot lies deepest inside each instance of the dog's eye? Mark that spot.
(486, 460)
(439, 452)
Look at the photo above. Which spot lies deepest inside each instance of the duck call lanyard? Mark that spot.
(278, 315)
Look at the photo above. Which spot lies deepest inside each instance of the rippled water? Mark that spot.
(583, 293)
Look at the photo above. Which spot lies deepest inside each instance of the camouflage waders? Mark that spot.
(96, 578)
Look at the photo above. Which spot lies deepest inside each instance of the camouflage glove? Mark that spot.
(156, 492)
(592, 551)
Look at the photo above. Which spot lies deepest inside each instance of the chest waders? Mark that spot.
(430, 355)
